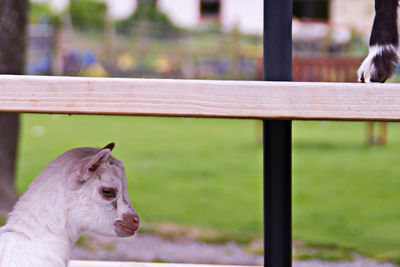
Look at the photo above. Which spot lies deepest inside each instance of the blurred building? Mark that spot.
(246, 15)
(353, 14)
(356, 14)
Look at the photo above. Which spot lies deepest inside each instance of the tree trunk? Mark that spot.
(13, 20)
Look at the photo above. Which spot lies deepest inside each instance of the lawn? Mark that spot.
(208, 173)
(345, 193)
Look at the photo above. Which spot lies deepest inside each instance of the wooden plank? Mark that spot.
(138, 264)
(199, 98)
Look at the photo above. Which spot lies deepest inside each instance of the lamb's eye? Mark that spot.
(108, 193)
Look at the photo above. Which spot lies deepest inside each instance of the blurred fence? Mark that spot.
(41, 43)
(322, 69)
(142, 52)
(325, 69)
(150, 51)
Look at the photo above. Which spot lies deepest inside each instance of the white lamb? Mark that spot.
(83, 190)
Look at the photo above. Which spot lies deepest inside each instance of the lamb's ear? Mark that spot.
(110, 146)
(88, 165)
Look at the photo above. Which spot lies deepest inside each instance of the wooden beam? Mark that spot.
(138, 264)
(199, 98)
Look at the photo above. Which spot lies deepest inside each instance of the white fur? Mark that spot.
(367, 69)
(57, 208)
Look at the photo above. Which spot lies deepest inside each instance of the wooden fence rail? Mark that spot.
(199, 98)
(139, 264)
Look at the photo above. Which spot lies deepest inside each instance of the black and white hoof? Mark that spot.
(379, 65)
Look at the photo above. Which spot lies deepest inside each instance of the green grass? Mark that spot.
(326, 253)
(205, 173)
(208, 173)
(3, 220)
(345, 193)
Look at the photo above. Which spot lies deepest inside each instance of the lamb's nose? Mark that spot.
(136, 218)
(132, 220)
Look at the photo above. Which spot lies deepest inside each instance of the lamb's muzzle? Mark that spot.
(128, 225)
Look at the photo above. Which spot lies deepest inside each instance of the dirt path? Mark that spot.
(148, 247)
(152, 248)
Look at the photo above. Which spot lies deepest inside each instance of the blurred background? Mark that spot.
(197, 183)
(206, 39)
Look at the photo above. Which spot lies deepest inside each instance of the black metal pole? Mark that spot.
(277, 139)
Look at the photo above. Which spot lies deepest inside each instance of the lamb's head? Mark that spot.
(99, 200)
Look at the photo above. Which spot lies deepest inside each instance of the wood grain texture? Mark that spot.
(138, 264)
(199, 98)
